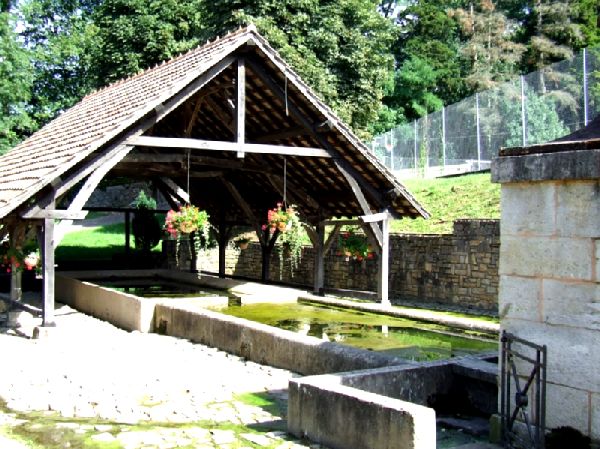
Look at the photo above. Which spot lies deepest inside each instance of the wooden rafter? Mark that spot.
(239, 199)
(219, 145)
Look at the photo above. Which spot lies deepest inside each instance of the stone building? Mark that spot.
(549, 288)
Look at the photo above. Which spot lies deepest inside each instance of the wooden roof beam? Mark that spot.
(219, 145)
(313, 130)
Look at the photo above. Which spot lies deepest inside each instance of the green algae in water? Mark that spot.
(395, 336)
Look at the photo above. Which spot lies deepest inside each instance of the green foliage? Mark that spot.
(429, 72)
(133, 35)
(145, 226)
(448, 199)
(543, 121)
(341, 49)
(15, 82)
(58, 35)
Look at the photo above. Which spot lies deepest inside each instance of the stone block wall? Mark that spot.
(550, 276)
(459, 269)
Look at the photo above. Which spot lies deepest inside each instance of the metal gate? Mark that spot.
(523, 413)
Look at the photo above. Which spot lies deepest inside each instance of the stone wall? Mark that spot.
(550, 274)
(123, 196)
(459, 269)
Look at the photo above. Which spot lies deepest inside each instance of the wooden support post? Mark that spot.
(193, 254)
(47, 246)
(384, 264)
(16, 240)
(319, 273)
(223, 236)
(240, 106)
(267, 244)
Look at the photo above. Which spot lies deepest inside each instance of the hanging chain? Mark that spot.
(284, 181)
(188, 175)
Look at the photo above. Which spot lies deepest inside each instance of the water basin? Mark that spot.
(157, 287)
(400, 337)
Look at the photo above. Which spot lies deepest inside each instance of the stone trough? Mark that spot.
(352, 399)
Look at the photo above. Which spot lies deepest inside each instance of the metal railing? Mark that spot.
(464, 137)
(523, 414)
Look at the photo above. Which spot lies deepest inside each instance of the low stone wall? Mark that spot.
(458, 269)
(121, 309)
(265, 344)
(392, 407)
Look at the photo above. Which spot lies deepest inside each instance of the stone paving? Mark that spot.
(89, 384)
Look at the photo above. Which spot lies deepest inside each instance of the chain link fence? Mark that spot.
(464, 137)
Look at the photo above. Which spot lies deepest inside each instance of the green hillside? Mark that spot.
(448, 199)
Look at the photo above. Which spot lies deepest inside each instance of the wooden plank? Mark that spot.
(227, 120)
(219, 145)
(371, 218)
(190, 126)
(58, 214)
(319, 264)
(331, 237)
(240, 107)
(175, 190)
(362, 201)
(47, 250)
(384, 263)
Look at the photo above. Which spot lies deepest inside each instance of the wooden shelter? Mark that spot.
(230, 127)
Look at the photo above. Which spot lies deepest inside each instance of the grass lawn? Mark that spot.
(96, 243)
(448, 199)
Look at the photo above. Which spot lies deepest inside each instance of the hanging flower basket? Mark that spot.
(282, 218)
(186, 220)
(242, 243)
(354, 246)
(15, 258)
(285, 219)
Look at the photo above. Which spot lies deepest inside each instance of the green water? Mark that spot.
(157, 288)
(400, 337)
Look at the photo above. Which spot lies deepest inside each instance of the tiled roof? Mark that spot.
(98, 118)
(103, 116)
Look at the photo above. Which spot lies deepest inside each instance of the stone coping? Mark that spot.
(547, 166)
(415, 314)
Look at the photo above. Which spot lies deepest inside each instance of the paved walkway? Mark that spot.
(95, 383)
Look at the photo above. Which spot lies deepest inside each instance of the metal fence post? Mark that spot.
(585, 89)
(478, 131)
(444, 139)
(523, 118)
(416, 135)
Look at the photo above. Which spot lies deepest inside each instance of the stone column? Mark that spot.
(549, 289)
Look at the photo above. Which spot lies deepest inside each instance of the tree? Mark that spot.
(492, 55)
(429, 72)
(340, 48)
(15, 86)
(57, 33)
(133, 35)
